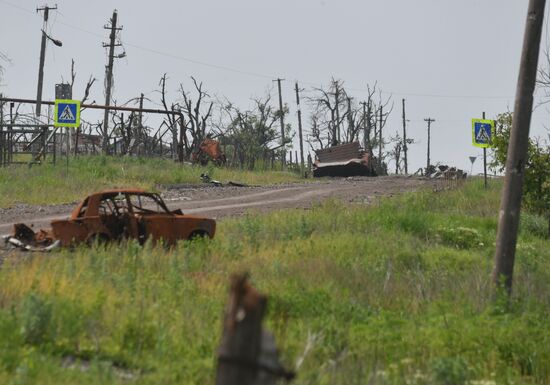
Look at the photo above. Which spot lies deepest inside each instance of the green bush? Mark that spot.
(450, 371)
(36, 316)
(460, 237)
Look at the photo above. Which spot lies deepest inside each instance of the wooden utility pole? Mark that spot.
(380, 125)
(282, 120)
(364, 105)
(140, 125)
(38, 111)
(351, 128)
(430, 121)
(405, 139)
(517, 149)
(109, 77)
(337, 106)
(3, 141)
(46, 11)
(484, 161)
(300, 128)
(369, 127)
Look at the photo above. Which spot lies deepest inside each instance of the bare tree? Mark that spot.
(3, 59)
(252, 134)
(329, 109)
(334, 107)
(179, 143)
(396, 152)
(543, 74)
(197, 114)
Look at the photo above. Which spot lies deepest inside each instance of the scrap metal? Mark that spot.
(343, 160)
(113, 215)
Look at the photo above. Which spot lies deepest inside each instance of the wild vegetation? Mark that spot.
(395, 293)
(49, 184)
(536, 189)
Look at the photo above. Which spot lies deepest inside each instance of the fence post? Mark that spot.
(247, 354)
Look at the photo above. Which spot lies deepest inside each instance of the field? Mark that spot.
(393, 293)
(51, 184)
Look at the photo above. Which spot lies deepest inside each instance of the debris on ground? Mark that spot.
(343, 160)
(114, 215)
(25, 238)
(441, 172)
(206, 179)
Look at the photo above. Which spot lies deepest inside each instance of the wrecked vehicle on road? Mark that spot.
(115, 215)
(344, 160)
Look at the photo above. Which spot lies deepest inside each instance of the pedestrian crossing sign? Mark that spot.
(67, 113)
(483, 132)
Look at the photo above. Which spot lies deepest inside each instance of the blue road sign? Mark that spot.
(483, 132)
(67, 113)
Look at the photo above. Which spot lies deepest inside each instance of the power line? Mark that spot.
(263, 75)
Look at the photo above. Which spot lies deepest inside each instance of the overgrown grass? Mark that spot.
(398, 293)
(51, 184)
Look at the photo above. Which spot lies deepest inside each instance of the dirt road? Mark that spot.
(219, 202)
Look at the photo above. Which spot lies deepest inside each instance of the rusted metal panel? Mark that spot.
(339, 153)
(344, 160)
(209, 150)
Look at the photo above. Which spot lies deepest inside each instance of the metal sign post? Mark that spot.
(67, 114)
(472, 160)
(483, 132)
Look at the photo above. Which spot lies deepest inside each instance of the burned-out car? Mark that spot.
(115, 215)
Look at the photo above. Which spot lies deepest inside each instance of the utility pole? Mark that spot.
(364, 105)
(3, 145)
(282, 120)
(141, 133)
(430, 121)
(369, 128)
(300, 128)
(46, 11)
(517, 150)
(351, 128)
(109, 77)
(405, 139)
(484, 161)
(337, 105)
(380, 124)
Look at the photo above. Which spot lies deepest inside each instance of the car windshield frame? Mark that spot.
(161, 206)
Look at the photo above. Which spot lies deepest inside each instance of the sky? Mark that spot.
(450, 60)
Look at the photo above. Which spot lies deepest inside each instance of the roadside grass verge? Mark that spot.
(395, 293)
(49, 184)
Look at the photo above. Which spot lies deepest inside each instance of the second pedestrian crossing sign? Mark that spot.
(67, 113)
(483, 132)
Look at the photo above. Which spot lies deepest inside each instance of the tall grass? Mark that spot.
(52, 184)
(397, 293)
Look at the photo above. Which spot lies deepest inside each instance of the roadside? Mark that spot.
(219, 202)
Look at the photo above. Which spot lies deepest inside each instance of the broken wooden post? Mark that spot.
(247, 354)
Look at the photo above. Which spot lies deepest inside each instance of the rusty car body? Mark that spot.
(114, 215)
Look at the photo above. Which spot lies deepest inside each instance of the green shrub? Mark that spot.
(450, 371)
(36, 316)
(460, 237)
